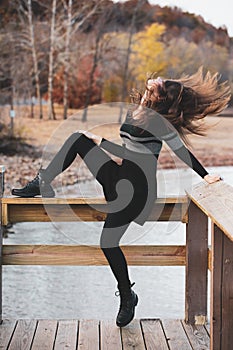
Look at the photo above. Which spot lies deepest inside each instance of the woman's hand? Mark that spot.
(117, 160)
(97, 139)
(212, 178)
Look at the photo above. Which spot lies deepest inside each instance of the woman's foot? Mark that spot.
(129, 301)
(36, 187)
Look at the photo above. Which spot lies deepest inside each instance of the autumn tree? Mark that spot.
(185, 57)
(182, 57)
(148, 52)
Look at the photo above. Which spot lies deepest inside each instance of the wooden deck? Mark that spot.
(144, 334)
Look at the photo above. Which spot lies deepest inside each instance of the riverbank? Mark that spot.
(45, 137)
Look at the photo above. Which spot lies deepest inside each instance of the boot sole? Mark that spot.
(32, 195)
(126, 323)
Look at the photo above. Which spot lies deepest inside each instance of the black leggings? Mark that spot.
(101, 166)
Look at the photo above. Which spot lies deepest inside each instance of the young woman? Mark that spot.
(166, 111)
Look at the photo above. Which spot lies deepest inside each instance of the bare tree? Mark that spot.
(34, 57)
(51, 112)
(137, 8)
(67, 58)
(73, 24)
(96, 57)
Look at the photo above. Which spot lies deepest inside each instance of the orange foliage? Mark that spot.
(79, 85)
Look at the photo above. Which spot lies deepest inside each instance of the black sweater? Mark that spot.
(149, 139)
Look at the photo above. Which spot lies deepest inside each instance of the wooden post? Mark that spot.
(196, 266)
(2, 171)
(221, 321)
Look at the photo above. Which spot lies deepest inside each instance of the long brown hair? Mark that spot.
(185, 101)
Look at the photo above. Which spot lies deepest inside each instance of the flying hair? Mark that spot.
(185, 101)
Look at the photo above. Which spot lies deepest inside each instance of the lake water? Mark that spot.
(88, 292)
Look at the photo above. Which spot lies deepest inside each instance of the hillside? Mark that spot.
(193, 27)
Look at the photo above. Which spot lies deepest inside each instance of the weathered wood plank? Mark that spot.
(197, 336)
(216, 201)
(216, 289)
(81, 200)
(23, 335)
(66, 337)
(88, 338)
(110, 335)
(91, 255)
(196, 266)
(132, 336)
(45, 335)
(227, 294)
(153, 335)
(73, 213)
(7, 329)
(105, 335)
(81, 209)
(175, 334)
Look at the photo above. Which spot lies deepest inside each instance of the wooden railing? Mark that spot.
(204, 201)
(216, 202)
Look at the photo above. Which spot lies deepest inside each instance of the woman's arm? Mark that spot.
(178, 147)
(109, 146)
(187, 157)
(112, 148)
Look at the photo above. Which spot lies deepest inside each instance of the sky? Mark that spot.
(215, 12)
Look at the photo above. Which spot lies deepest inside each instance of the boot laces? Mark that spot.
(33, 182)
(123, 292)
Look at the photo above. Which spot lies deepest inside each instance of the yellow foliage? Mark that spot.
(148, 52)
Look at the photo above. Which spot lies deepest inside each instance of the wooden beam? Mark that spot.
(196, 266)
(80, 209)
(216, 201)
(216, 292)
(221, 322)
(138, 255)
(80, 200)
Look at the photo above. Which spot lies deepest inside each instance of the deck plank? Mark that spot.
(67, 333)
(110, 335)
(6, 330)
(176, 336)
(197, 336)
(88, 335)
(132, 336)
(45, 335)
(23, 335)
(149, 334)
(153, 334)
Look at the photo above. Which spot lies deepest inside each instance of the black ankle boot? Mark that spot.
(36, 187)
(129, 300)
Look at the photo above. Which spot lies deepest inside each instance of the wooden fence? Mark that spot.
(202, 204)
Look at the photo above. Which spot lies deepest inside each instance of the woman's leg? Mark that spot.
(98, 162)
(109, 244)
(78, 144)
(110, 238)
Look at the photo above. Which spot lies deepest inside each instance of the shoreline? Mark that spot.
(21, 169)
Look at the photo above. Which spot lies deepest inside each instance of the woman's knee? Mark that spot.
(109, 239)
(75, 136)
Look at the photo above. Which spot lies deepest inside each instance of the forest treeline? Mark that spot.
(81, 52)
